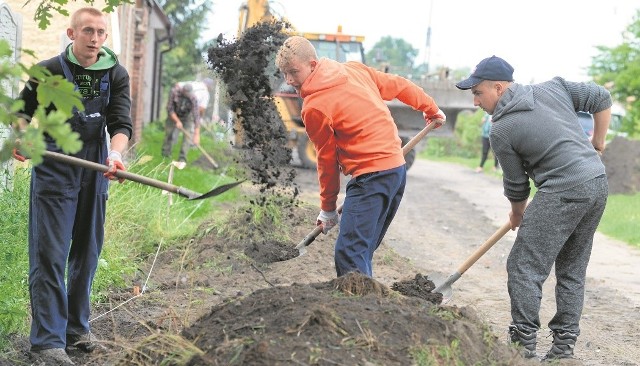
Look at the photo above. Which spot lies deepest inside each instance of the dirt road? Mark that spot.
(449, 210)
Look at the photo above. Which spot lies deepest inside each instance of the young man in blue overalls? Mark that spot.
(68, 203)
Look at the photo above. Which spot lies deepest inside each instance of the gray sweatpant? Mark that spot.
(557, 228)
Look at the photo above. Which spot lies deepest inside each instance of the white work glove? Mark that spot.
(438, 116)
(114, 161)
(328, 219)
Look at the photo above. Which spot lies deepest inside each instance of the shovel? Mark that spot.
(443, 286)
(302, 246)
(202, 150)
(191, 195)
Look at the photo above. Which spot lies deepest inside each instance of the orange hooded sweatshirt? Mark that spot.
(347, 120)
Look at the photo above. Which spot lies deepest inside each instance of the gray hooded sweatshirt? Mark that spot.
(536, 134)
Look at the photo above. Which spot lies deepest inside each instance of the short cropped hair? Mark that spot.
(295, 47)
(75, 18)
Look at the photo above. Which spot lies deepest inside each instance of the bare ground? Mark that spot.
(225, 299)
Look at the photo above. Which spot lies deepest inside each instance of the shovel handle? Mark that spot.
(419, 136)
(310, 237)
(405, 150)
(484, 247)
(445, 287)
(121, 174)
(202, 150)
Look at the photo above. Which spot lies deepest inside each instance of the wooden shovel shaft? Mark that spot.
(405, 150)
(121, 174)
(484, 247)
(473, 258)
(203, 151)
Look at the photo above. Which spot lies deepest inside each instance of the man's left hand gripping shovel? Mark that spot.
(302, 246)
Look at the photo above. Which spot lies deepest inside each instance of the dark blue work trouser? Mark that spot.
(66, 231)
(370, 204)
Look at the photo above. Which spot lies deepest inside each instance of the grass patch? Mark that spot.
(437, 355)
(621, 217)
(14, 258)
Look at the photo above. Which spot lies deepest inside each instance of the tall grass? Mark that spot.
(14, 259)
(621, 217)
(138, 219)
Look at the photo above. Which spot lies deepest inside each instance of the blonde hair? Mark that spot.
(75, 17)
(295, 48)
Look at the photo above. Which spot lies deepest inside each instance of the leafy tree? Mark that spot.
(54, 90)
(393, 54)
(185, 60)
(619, 68)
(46, 8)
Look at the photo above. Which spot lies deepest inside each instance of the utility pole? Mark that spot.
(428, 43)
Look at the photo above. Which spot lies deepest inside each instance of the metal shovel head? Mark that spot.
(218, 190)
(443, 286)
(302, 246)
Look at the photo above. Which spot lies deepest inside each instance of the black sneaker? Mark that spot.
(85, 342)
(563, 345)
(525, 340)
(53, 356)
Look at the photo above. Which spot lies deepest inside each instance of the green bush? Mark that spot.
(466, 140)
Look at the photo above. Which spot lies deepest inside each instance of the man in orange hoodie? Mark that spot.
(347, 120)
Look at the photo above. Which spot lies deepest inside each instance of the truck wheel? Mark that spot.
(306, 152)
(411, 155)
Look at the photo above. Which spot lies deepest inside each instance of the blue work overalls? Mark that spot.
(66, 227)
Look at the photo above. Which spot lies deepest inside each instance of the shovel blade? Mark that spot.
(443, 286)
(216, 191)
(302, 251)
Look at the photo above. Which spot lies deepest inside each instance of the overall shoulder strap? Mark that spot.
(105, 85)
(66, 70)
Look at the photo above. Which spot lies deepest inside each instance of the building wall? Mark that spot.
(45, 43)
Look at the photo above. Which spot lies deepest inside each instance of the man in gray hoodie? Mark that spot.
(536, 135)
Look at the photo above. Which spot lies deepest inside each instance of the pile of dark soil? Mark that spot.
(318, 324)
(622, 161)
(216, 300)
(272, 310)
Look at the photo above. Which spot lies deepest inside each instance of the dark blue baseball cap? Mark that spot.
(491, 68)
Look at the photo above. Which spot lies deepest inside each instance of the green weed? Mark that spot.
(14, 258)
(437, 355)
(443, 313)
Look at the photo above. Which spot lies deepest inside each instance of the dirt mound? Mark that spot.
(622, 161)
(297, 319)
(319, 324)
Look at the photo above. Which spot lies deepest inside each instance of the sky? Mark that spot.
(540, 39)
